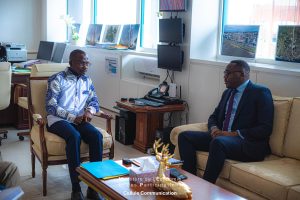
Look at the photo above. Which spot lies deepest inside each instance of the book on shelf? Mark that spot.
(105, 170)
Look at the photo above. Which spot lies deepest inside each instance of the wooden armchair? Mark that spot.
(21, 100)
(48, 147)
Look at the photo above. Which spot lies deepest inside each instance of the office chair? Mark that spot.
(46, 146)
(3, 56)
(5, 82)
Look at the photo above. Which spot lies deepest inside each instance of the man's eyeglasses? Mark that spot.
(83, 63)
(227, 72)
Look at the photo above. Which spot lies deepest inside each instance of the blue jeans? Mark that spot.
(73, 134)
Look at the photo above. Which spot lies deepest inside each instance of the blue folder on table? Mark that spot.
(106, 169)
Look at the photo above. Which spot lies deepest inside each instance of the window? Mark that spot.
(116, 12)
(143, 12)
(149, 24)
(268, 14)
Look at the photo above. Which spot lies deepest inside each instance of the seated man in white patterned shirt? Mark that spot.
(71, 101)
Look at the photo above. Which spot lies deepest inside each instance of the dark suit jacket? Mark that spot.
(253, 118)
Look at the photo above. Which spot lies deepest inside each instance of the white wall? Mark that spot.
(207, 85)
(54, 21)
(22, 22)
(205, 23)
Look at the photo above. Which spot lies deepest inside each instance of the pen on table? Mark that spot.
(136, 163)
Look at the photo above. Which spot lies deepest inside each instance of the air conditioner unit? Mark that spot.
(146, 66)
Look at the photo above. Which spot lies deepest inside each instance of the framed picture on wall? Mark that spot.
(111, 34)
(129, 35)
(288, 44)
(239, 40)
(93, 34)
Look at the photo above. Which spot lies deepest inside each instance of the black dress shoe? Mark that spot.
(92, 194)
(77, 196)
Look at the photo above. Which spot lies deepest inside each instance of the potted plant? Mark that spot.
(72, 28)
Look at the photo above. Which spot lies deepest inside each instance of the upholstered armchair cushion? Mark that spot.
(179, 129)
(56, 145)
(292, 139)
(294, 193)
(282, 107)
(271, 179)
(48, 69)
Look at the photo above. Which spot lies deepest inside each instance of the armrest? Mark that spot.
(38, 119)
(18, 91)
(103, 115)
(189, 127)
(108, 120)
(179, 129)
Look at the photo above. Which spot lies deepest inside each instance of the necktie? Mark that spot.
(229, 110)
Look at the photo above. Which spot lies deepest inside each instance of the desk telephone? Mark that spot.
(159, 92)
(161, 95)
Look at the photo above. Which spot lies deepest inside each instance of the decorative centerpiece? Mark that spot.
(180, 189)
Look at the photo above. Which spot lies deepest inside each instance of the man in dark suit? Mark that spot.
(239, 128)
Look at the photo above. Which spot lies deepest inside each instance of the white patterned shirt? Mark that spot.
(68, 96)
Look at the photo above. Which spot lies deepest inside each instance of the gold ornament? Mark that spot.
(179, 189)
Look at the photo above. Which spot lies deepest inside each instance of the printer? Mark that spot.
(16, 52)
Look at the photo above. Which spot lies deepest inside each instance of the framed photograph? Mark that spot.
(288, 44)
(129, 35)
(239, 41)
(111, 34)
(93, 34)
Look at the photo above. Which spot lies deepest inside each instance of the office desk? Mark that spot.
(13, 115)
(148, 120)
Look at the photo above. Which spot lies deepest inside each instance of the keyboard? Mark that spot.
(142, 102)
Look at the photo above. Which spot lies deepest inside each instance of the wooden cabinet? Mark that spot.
(148, 120)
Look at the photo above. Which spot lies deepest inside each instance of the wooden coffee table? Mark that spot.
(121, 188)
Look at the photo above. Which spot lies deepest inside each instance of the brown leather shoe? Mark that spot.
(92, 194)
(77, 196)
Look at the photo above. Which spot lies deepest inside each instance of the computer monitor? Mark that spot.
(58, 52)
(169, 57)
(171, 30)
(45, 50)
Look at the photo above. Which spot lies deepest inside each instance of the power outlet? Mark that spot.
(172, 89)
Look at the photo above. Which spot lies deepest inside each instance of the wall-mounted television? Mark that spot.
(172, 5)
(169, 57)
(171, 30)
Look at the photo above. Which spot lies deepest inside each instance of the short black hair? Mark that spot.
(75, 52)
(243, 64)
